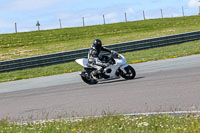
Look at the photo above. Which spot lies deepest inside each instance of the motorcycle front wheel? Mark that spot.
(130, 73)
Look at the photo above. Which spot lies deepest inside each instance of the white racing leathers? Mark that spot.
(94, 59)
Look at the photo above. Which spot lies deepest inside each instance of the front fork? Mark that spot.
(122, 68)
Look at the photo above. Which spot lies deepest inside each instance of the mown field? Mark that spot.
(28, 44)
(109, 124)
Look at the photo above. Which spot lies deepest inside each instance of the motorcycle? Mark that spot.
(117, 68)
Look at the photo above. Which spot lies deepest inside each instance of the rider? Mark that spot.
(94, 58)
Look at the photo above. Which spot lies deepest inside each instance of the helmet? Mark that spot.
(97, 44)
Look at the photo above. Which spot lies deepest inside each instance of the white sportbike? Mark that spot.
(118, 68)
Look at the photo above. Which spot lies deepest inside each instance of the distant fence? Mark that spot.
(103, 19)
(69, 56)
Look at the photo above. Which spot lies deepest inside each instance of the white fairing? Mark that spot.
(120, 63)
(83, 62)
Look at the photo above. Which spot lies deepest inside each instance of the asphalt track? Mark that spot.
(166, 85)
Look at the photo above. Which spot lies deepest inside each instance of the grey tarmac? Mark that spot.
(165, 85)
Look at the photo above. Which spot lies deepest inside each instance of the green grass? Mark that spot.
(185, 49)
(50, 41)
(110, 124)
(28, 44)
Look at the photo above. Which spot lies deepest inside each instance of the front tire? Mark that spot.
(130, 73)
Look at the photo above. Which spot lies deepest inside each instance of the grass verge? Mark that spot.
(110, 124)
(28, 44)
(173, 51)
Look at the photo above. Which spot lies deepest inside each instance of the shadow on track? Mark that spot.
(119, 80)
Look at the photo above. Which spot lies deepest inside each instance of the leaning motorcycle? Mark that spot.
(118, 68)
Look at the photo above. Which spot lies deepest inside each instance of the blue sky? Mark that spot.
(27, 12)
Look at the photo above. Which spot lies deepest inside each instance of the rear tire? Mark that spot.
(130, 73)
(88, 80)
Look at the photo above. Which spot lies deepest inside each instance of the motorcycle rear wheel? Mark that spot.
(130, 73)
(89, 80)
